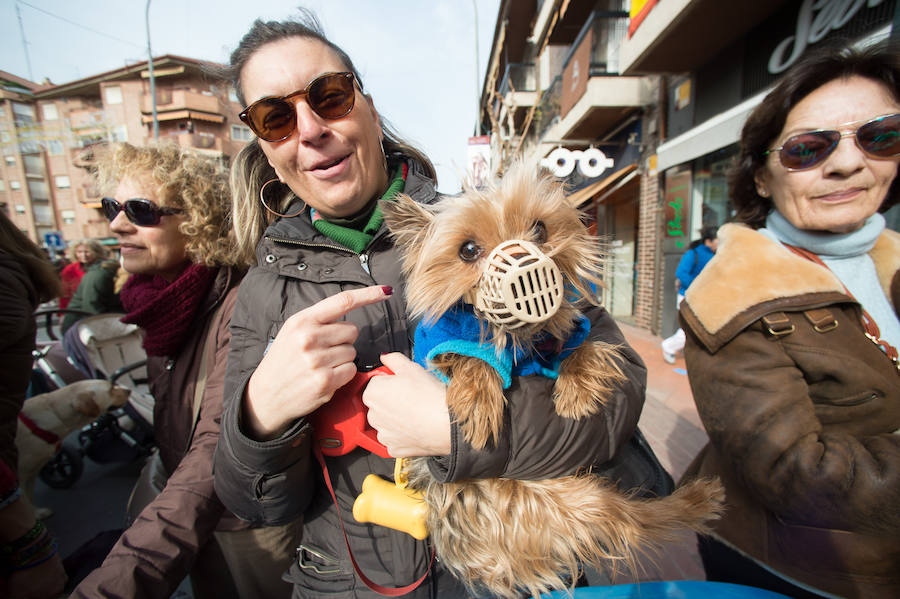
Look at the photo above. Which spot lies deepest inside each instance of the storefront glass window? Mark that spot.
(712, 206)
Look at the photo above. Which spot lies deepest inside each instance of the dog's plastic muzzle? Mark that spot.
(519, 285)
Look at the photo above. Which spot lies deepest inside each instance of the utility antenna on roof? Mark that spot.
(24, 42)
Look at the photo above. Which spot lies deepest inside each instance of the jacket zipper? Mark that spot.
(363, 262)
(363, 257)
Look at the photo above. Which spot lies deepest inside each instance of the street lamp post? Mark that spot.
(152, 79)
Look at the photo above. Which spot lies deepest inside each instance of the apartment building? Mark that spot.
(638, 106)
(50, 136)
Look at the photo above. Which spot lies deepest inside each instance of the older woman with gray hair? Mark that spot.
(792, 336)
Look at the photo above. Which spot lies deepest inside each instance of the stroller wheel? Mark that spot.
(63, 469)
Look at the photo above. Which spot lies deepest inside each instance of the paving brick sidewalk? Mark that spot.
(672, 427)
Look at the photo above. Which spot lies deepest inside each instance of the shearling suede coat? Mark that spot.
(272, 482)
(802, 411)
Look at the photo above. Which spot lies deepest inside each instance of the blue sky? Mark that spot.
(417, 57)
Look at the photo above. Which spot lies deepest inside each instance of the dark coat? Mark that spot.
(802, 411)
(272, 482)
(147, 562)
(95, 293)
(18, 300)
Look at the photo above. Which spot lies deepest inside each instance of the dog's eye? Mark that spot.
(469, 251)
(539, 232)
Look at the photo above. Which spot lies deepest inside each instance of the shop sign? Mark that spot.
(677, 195)
(591, 162)
(815, 19)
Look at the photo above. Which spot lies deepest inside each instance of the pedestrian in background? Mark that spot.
(83, 253)
(792, 336)
(692, 262)
(96, 293)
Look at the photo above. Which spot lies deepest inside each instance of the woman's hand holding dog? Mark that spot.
(408, 409)
(310, 358)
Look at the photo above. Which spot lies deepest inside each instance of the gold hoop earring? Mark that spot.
(262, 200)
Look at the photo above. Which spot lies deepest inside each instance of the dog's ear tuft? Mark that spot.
(85, 404)
(407, 220)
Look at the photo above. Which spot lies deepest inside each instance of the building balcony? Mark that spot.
(678, 36)
(206, 143)
(88, 120)
(182, 104)
(592, 97)
(517, 93)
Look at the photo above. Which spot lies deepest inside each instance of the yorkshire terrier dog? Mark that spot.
(497, 276)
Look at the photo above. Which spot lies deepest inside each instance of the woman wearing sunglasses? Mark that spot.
(169, 211)
(325, 300)
(792, 336)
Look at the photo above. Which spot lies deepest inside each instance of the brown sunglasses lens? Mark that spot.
(330, 96)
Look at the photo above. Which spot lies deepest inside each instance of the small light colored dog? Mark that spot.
(50, 417)
(509, 267)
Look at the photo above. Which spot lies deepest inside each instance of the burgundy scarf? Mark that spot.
(166, 310)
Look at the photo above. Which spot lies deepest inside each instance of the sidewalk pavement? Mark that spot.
(674, 430)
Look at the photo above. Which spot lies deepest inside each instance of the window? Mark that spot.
(113, 94)
(241, 133)
(2, 185)
(120, 134)
(23, 112)
(10, 161)
(20, 209)
(49, 112)
(34, 165)
(43, 214)
(55, 147)
(68, 217)
(15, 185)
(5, 136)
(232, 95)
(2, 112)
(62, 181)
(39, 190)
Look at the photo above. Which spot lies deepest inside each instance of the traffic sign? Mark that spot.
(54, 240)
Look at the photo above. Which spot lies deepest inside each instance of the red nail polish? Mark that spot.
(387, 289)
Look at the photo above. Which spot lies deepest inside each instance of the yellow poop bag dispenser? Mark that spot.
(392, 504)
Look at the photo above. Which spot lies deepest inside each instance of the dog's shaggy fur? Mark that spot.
(59, 412)
(509, 536)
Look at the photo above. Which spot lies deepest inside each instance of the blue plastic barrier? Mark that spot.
(675, 589)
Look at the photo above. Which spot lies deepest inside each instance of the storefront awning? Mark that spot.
(184, 114)
(717, 132)
(585, 194)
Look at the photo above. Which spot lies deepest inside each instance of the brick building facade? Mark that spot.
(50, 136)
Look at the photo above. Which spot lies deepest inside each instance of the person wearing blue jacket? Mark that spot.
(692, 262)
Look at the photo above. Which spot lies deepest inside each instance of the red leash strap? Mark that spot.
(381, 590)
(51, 438)
(869, 324)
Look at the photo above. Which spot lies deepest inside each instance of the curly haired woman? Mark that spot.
(170, 214)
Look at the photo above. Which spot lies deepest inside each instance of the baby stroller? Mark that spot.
(104, 347)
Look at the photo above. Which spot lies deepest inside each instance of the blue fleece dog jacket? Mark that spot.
(458, 331)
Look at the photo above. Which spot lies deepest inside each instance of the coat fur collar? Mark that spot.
(750, 273)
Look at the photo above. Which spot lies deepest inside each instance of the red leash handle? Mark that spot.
(340, 425)
(381, 590)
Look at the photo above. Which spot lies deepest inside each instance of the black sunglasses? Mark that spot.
(139, 211)
(331, 96)
(879, 137)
